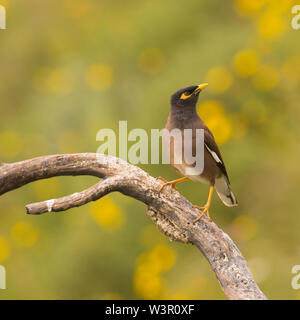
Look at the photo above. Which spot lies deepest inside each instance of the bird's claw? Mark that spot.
(204, 212)
(172, 186)
(162, 179)
(167, 183)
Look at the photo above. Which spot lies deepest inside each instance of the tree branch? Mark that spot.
(171, 212)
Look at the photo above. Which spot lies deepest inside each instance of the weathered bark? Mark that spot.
(171, 212)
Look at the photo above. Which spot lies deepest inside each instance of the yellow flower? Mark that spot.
(246, 63)
(148, 283)
(61, 81)
(212, 113)
(244, 227)
(148, 286)
(281, 6)
(11, 144)
(165, 255)
(4, 3)
(219, 79)
(107, 214)
(270, 24)
(4, 249)
(266, 79)
(99, 77)
(24, 234)
(151, 60)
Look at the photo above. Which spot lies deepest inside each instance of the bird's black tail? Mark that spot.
(224, 192)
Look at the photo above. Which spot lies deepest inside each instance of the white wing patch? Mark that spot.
(214, 155)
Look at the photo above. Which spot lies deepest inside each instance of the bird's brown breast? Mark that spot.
(210, 172)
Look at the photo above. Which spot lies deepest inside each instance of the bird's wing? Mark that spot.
(213, 149)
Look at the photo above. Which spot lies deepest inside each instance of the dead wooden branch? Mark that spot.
(171, 212)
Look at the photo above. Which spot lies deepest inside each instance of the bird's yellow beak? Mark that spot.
(201, 87)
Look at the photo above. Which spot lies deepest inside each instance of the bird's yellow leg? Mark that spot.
(172, 183)
(162, 178)
(207, 206)
(200, 208)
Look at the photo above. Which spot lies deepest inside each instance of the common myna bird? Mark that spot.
(182, 116)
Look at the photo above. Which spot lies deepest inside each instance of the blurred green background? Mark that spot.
(72, 67)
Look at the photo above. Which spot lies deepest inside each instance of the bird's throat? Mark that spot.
(180, 116)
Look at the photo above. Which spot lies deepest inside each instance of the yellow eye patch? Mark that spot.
(183, 96)
(197, 90)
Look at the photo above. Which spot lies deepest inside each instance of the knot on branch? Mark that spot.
(171, 230)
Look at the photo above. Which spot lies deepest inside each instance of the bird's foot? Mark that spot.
(204, 211)
(162, 179)
(200, 208)
(172, 184)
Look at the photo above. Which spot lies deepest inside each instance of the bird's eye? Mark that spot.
(185, 95)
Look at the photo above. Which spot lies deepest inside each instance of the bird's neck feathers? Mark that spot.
(181, 117)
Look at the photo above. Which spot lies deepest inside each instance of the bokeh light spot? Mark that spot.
(99, 77)
(58, 81)
(246, 63)
(270, 24)
(148, 283)
(212, 113)
(24, 234)
(219, 79)
(4, 249)
(107, 214)
(61, 81)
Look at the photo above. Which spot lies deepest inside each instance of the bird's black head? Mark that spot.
(187, 96)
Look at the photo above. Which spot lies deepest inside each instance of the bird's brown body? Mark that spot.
(211, 171)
